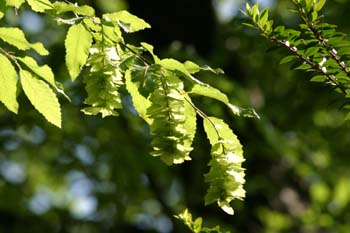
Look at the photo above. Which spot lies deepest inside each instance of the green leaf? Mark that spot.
(8, 84)
(191, 67)
(318, 78)
(190, 124)
(209, 91)
(15, 37)
(111, 34)
(149, 48)
(264, 16)
(215, 71)
(226, 175)
(78, 42)
(212, 92)
(42, 97)
(169, 114)
(15, 3)
(43, 72)
(288, 59)
(3, 9)
(311, 51)
(174, 65)
(39, 48)
(319, 5)
(103, 92)
(40, 5)
(139, 101)
(63, 7)
(304, 66)
(129, 23)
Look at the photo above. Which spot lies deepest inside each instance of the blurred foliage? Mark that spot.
(96, 175)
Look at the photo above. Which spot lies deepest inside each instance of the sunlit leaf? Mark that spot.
(15, 3)
(43, 72)
(15, 37)
(40, 5)
(62, 7)
(78, 42)
(128, 22)
(8, 84)
(42, 97)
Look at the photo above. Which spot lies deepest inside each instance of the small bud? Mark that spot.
(287, 43)
(324, 69)
(323, 61)
(334, 51)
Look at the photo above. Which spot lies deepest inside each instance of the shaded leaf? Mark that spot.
(3, 9)
(139, 101)
(288, 59)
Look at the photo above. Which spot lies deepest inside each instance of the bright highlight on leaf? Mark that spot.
(40, 5)
(169, 115)
(63, 7)
(128, 22)
(43, 72)
(15, 37)
(78, 42)
(226, 175)
(42, 97)
(8, 84)
(15, 3)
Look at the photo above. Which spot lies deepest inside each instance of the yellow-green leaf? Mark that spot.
(43, 72)
(139, 101)
(209, 91)
(15, 3)
(77, 43)
(172, 64)
(8, 84)
(40, 5)
(42, 97)
(127, 21)
(15, 37)
(62, 7)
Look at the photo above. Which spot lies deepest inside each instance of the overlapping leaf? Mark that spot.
(15, 37)
(62, 7)
(226, 175)
(44, 71)
(169, 115)
(42, 97)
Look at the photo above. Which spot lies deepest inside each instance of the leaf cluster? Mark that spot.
(316, 47)
(161, 89)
